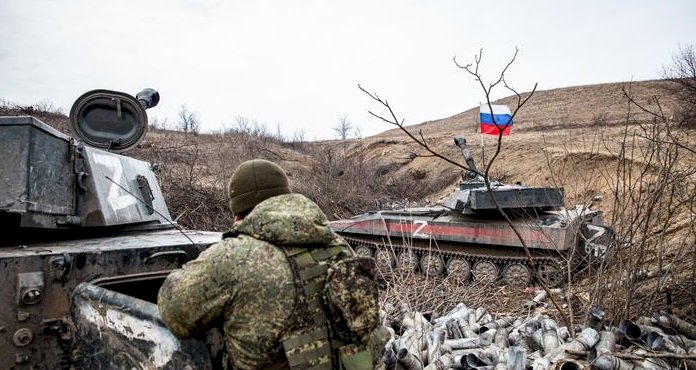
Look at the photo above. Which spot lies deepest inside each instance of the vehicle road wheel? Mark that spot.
(407, 260)
(384, 259)
(551, 273)
(459, 269)
(517, 275)
(363, 251)
(432, 264)
(485, 272)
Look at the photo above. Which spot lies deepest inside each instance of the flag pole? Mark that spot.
(483, 155)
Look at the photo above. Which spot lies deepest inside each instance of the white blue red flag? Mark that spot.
(495, 118)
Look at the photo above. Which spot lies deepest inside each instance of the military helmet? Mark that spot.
(253, 182)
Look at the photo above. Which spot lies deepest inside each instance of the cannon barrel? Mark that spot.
(461, 143)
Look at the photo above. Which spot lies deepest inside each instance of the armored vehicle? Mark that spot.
(468, 237)
(87, 241)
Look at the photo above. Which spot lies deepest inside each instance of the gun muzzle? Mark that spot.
(148, 98)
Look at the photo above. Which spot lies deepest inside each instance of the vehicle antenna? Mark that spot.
(153, 208)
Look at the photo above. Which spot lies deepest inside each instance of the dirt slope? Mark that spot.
(580, 138)
(569, 137)
(569, 107)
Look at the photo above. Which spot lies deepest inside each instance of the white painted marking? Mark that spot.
(118, 199)
(422, 224)
(164, 344)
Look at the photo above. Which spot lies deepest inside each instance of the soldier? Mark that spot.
(264, 283)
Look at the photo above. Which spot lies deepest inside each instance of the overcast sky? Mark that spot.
(297, 64)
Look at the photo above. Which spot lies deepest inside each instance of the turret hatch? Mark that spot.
(109, 120)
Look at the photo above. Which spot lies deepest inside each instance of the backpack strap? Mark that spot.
(308, 343)
(230, 234)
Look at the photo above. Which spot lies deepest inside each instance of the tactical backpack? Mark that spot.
(336, 310)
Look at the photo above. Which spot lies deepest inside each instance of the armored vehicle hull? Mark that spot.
(39, 329)
(437, 242)
(469, 238)
(87, 242)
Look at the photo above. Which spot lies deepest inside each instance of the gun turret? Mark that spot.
(63, 182)
(87, 243)
(472, 196)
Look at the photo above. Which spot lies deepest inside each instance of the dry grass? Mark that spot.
(583, 139)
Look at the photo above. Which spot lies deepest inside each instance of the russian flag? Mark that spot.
(495, 118)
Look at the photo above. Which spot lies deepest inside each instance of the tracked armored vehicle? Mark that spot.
(468, 238)
(87, 241)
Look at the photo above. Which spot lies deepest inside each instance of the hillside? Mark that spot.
(636, 164)
(570, 137)
(569, 107)
(561, 136)
(638, 168)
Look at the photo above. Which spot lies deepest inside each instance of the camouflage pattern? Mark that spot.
(289, 219)
(368, 356)
(314, 347)
(376, 343)
(245, 283)
(340, 290)
(352, 298)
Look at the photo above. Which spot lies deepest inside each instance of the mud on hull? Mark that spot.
(438, 242)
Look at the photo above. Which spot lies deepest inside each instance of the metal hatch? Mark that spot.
(111, 120)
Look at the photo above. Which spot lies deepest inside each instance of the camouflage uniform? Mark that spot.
(245, 283)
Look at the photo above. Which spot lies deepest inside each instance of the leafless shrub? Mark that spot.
(191, 180)
(417, 173)
(385, 169)
(406, 287)
(600, 120)
(653, 191)
(437, 295)
(298, 140)
(159, 124)
(44, 110)
(473, 70)
(253, 131)
(194, 171)
(682, 72)
(188, 121)
(46, 106)
(344, 184)
(343, 128)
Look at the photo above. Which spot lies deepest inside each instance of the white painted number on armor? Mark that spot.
(421, 224)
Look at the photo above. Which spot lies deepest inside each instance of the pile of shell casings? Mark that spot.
(467, 338)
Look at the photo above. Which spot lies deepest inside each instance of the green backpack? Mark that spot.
(337, 310)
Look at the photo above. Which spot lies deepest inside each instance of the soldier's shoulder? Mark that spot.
(231, 243)
(247, 249)
(230, 252)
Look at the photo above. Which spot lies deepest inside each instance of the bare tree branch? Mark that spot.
(473, 70)
(419, 140)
